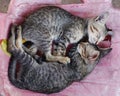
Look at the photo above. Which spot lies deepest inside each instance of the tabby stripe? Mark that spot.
(64, 41)
(95, 28)
(25, 58)
(91, 28)
(68, 40)
(62, 44)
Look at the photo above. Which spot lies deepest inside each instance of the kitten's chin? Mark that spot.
(106, 43)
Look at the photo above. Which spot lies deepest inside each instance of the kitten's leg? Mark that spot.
(32, 50)
(61, 59)
(13, 45)
(19, 38)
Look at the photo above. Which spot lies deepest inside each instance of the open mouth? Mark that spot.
(106, 43)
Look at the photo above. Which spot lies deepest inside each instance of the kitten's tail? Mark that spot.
(12, 73)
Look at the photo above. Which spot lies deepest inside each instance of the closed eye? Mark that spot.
(91, 29)
(95, 28)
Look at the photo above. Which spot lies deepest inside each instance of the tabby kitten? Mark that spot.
(52, 23)
(38, 75)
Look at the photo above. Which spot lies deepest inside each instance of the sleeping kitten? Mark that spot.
(38, 75)
(52, 23)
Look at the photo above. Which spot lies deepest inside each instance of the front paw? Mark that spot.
(64, 60)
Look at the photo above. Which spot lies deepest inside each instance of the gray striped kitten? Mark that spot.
(38, 75)
(52, 23)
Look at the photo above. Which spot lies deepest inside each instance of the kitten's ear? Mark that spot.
(94, 56)
(105, 51)
(102, 18)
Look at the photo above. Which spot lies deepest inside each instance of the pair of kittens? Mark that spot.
(55, 24)
(44, 26)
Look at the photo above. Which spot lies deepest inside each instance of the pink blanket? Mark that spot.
(103, 81)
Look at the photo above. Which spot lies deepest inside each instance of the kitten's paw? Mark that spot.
(19, 37)
(64, 60)
(61, 59)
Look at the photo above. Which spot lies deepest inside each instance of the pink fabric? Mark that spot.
(96, 1)
(103, 81)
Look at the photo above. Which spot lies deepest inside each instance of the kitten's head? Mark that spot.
(90, 53)
(97, 29)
